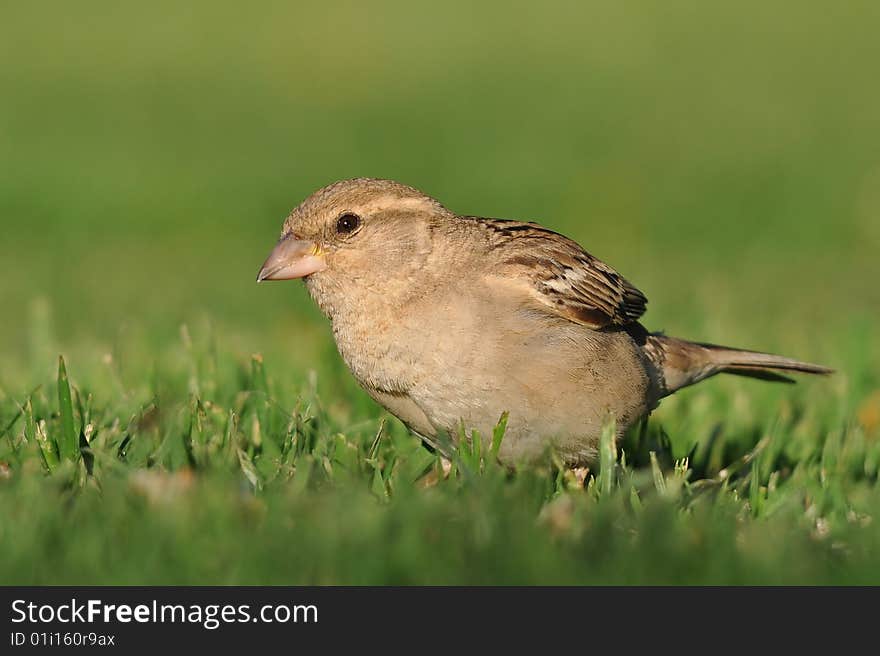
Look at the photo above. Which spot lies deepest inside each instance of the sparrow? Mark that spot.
(451, 321)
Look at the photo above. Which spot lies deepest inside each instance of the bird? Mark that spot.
(451, 322)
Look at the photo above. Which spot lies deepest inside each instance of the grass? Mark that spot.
(725, 159)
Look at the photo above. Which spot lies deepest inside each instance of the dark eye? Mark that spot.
(347, 223)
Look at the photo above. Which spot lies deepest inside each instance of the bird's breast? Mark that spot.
(470, 358)
(430, 340)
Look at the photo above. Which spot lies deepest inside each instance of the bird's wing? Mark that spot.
(560, 277)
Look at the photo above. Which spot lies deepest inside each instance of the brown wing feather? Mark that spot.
(564, 279)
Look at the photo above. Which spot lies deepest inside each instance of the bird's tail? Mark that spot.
(684, 363)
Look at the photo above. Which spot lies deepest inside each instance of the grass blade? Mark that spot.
(498, 434)
(659, 479)
(35, 433)
(259, 382)
(607, 457)
(68, 440)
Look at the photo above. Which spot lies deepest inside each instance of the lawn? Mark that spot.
(201, 429)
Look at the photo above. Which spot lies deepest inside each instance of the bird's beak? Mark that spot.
(292, 258)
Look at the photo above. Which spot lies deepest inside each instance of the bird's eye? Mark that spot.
(347, 223)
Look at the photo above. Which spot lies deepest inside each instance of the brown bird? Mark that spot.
(449, 321)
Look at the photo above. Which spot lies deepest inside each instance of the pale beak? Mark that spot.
(292, 258)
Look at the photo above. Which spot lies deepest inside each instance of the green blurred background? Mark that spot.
(724, 157)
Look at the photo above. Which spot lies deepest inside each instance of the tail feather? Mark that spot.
(682, 363)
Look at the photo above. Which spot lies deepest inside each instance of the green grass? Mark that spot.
(725, 159)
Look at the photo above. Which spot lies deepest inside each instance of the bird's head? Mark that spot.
(355, 236)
